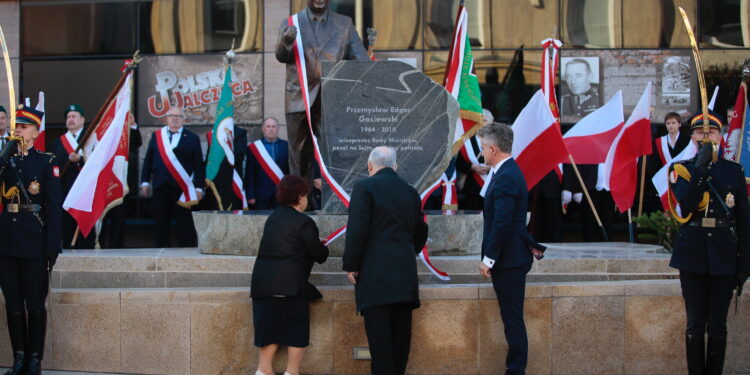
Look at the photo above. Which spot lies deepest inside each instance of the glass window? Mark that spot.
(396, 21)
(83, 82)
(723, 68)
(591, 23)
(73, 28)
(539, 22)
(504, 91)
(724, 23)
(169, 26)
(652, 24)
(440, 17)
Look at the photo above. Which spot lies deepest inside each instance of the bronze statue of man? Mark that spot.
(326, 36)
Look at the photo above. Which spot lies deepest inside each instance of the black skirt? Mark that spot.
(282, 320)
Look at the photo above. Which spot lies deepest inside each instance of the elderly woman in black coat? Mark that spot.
(280, 290)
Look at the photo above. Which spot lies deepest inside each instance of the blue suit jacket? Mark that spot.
(188, 152)
(505, 237)
(257, 183)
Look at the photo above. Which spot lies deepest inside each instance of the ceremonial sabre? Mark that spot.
(701, 83)
(11, 90)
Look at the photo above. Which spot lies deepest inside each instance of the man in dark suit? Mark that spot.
(260, 188)
(326, 36)
(166, 190)
(386, 229)
(71, 163)
(506, 246)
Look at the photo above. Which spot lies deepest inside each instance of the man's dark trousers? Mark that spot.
(165, 205)
(510, 287)
(388, 329)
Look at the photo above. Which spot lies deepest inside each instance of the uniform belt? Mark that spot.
(16, 208)
(710, 222)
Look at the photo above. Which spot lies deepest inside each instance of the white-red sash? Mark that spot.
(470, 155)
(662, 148)
(266, 162)
(189, 197)
(69, 143)
(450, 194)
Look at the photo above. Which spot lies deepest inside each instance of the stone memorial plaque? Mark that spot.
(366, 104)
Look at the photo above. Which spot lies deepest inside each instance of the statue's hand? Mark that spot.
(289, 34)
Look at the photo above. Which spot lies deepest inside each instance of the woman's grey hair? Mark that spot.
(501, 135)
(382, 156)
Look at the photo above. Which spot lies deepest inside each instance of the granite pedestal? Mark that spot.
(239, 233)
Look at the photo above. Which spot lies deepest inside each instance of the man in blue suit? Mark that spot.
(260, 189)
(156, 175)
(507, 248)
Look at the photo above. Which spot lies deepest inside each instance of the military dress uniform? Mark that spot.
(580, 105)
(30, 232)
(712, 251)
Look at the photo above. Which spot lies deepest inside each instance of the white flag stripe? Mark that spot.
(641, 111)
(534, 119)
(81, 194)
(603, 119)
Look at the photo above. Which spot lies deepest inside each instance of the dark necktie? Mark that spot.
(171, 133)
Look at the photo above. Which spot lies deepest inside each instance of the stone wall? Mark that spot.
(577, 328)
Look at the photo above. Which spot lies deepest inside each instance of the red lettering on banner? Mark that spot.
(247, 87)
(189, 102)
(154, 110)
(206, 96)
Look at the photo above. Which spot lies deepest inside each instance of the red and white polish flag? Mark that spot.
(538, 146)
(590, 139)
(634, 140)
(102, 182)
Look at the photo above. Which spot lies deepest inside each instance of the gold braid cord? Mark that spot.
(684, 173)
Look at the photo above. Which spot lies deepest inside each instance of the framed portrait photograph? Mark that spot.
(579, 86)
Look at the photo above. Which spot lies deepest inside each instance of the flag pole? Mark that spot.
(134, 62)
(75, 236)
(631, 229)
(643, 178)
(588, 197)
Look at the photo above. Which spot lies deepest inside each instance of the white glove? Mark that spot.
(578, 197)
(566, 197)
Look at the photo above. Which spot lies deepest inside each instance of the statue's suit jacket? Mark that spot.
(338, 41)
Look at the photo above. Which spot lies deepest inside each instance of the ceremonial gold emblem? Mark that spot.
(34, 187)
(729, 200)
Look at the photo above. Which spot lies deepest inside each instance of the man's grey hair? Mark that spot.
(500, 135)
(382, 156)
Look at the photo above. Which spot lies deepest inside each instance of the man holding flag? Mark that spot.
(71, 161)
(226, 151)
(173, 172)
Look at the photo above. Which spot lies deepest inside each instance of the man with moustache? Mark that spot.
(581, 97)
(326, 36)
(71, 162)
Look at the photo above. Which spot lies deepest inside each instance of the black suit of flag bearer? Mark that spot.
(30, 229)
(64, 149)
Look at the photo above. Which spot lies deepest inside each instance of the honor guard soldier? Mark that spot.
(30, 229)
(712, 251)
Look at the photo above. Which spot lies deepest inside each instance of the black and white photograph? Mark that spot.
(579, 90)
